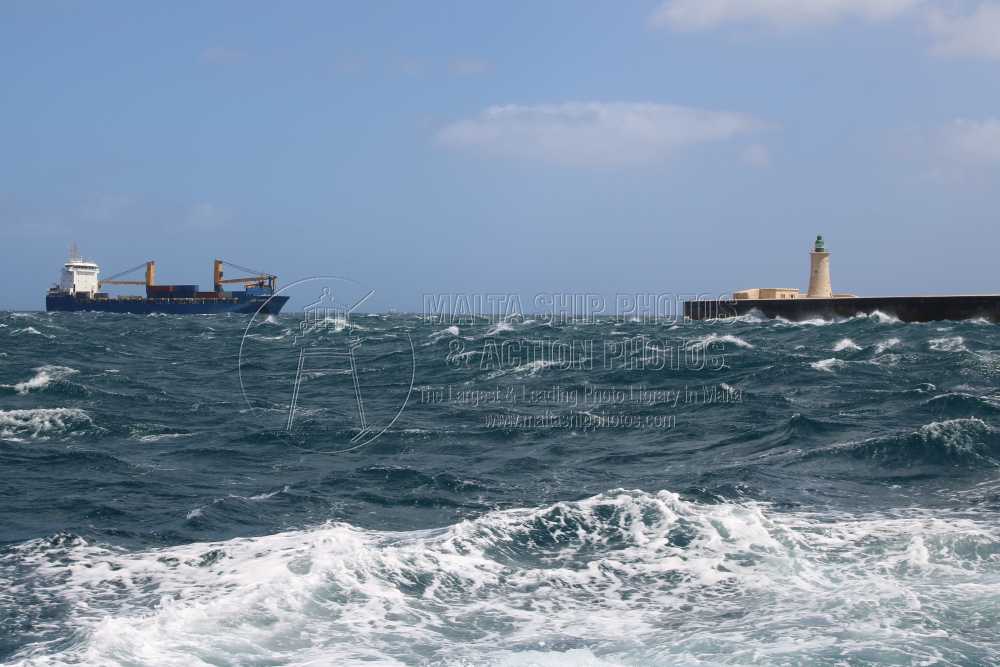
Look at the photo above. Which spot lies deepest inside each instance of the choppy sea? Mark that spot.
(529, 492)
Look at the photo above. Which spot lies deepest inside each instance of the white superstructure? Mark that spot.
(78, 275)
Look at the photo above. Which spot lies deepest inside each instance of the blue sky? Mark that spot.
(679, 146)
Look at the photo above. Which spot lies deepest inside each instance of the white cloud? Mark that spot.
(976, 34)
(593, 133)
(705, 14)
(972, 142)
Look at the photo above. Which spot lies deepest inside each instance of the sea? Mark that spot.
(402, 490)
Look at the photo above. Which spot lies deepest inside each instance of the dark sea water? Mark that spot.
(774, 493)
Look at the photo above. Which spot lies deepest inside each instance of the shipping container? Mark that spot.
(171, 291)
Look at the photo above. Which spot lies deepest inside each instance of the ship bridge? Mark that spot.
(79, 276)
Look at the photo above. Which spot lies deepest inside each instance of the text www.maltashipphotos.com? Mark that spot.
(578, 421)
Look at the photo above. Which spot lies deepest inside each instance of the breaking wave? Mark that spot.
(713, 338)
(445, 333)
(44, 376)
(968, 442)
(948, 344)
(881, 318)
(41, 422)
(612, 577)
(828, 365)
(831, 512)
(846, 344)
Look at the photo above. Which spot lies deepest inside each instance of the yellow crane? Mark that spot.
(150, 267)
(256, 279)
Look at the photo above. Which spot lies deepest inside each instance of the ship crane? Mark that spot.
(256, 279)
(150, 267)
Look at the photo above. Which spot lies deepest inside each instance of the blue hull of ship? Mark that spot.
(245, 305)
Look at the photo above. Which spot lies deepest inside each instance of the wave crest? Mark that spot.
(968, 442)
(565, 577)
(44, 376)
(41, 422)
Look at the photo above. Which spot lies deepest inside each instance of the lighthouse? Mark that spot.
(821, 302)
(819, 272)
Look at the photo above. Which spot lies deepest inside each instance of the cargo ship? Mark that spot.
(80, 288)
(820, 301)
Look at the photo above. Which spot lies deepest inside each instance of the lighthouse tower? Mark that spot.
(819, 272)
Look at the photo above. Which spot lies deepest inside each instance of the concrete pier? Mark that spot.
(905, 308)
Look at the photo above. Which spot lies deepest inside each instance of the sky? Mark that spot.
(677, 146)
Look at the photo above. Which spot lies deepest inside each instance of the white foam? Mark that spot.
(814, 322)
(257, 336)
(846, 344)
(882, 318)
(532, 368)
(260, 496)
(44, 376)
(948, 344)
(267, 496)
(705, 341)
(450, 331)
(336, 323)
(29, 330)
(960, 435)
(625, 577)
(40, 422)
(159, 437)
(828, 365)
(755, 316)
(578, 657)
(499, 328)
